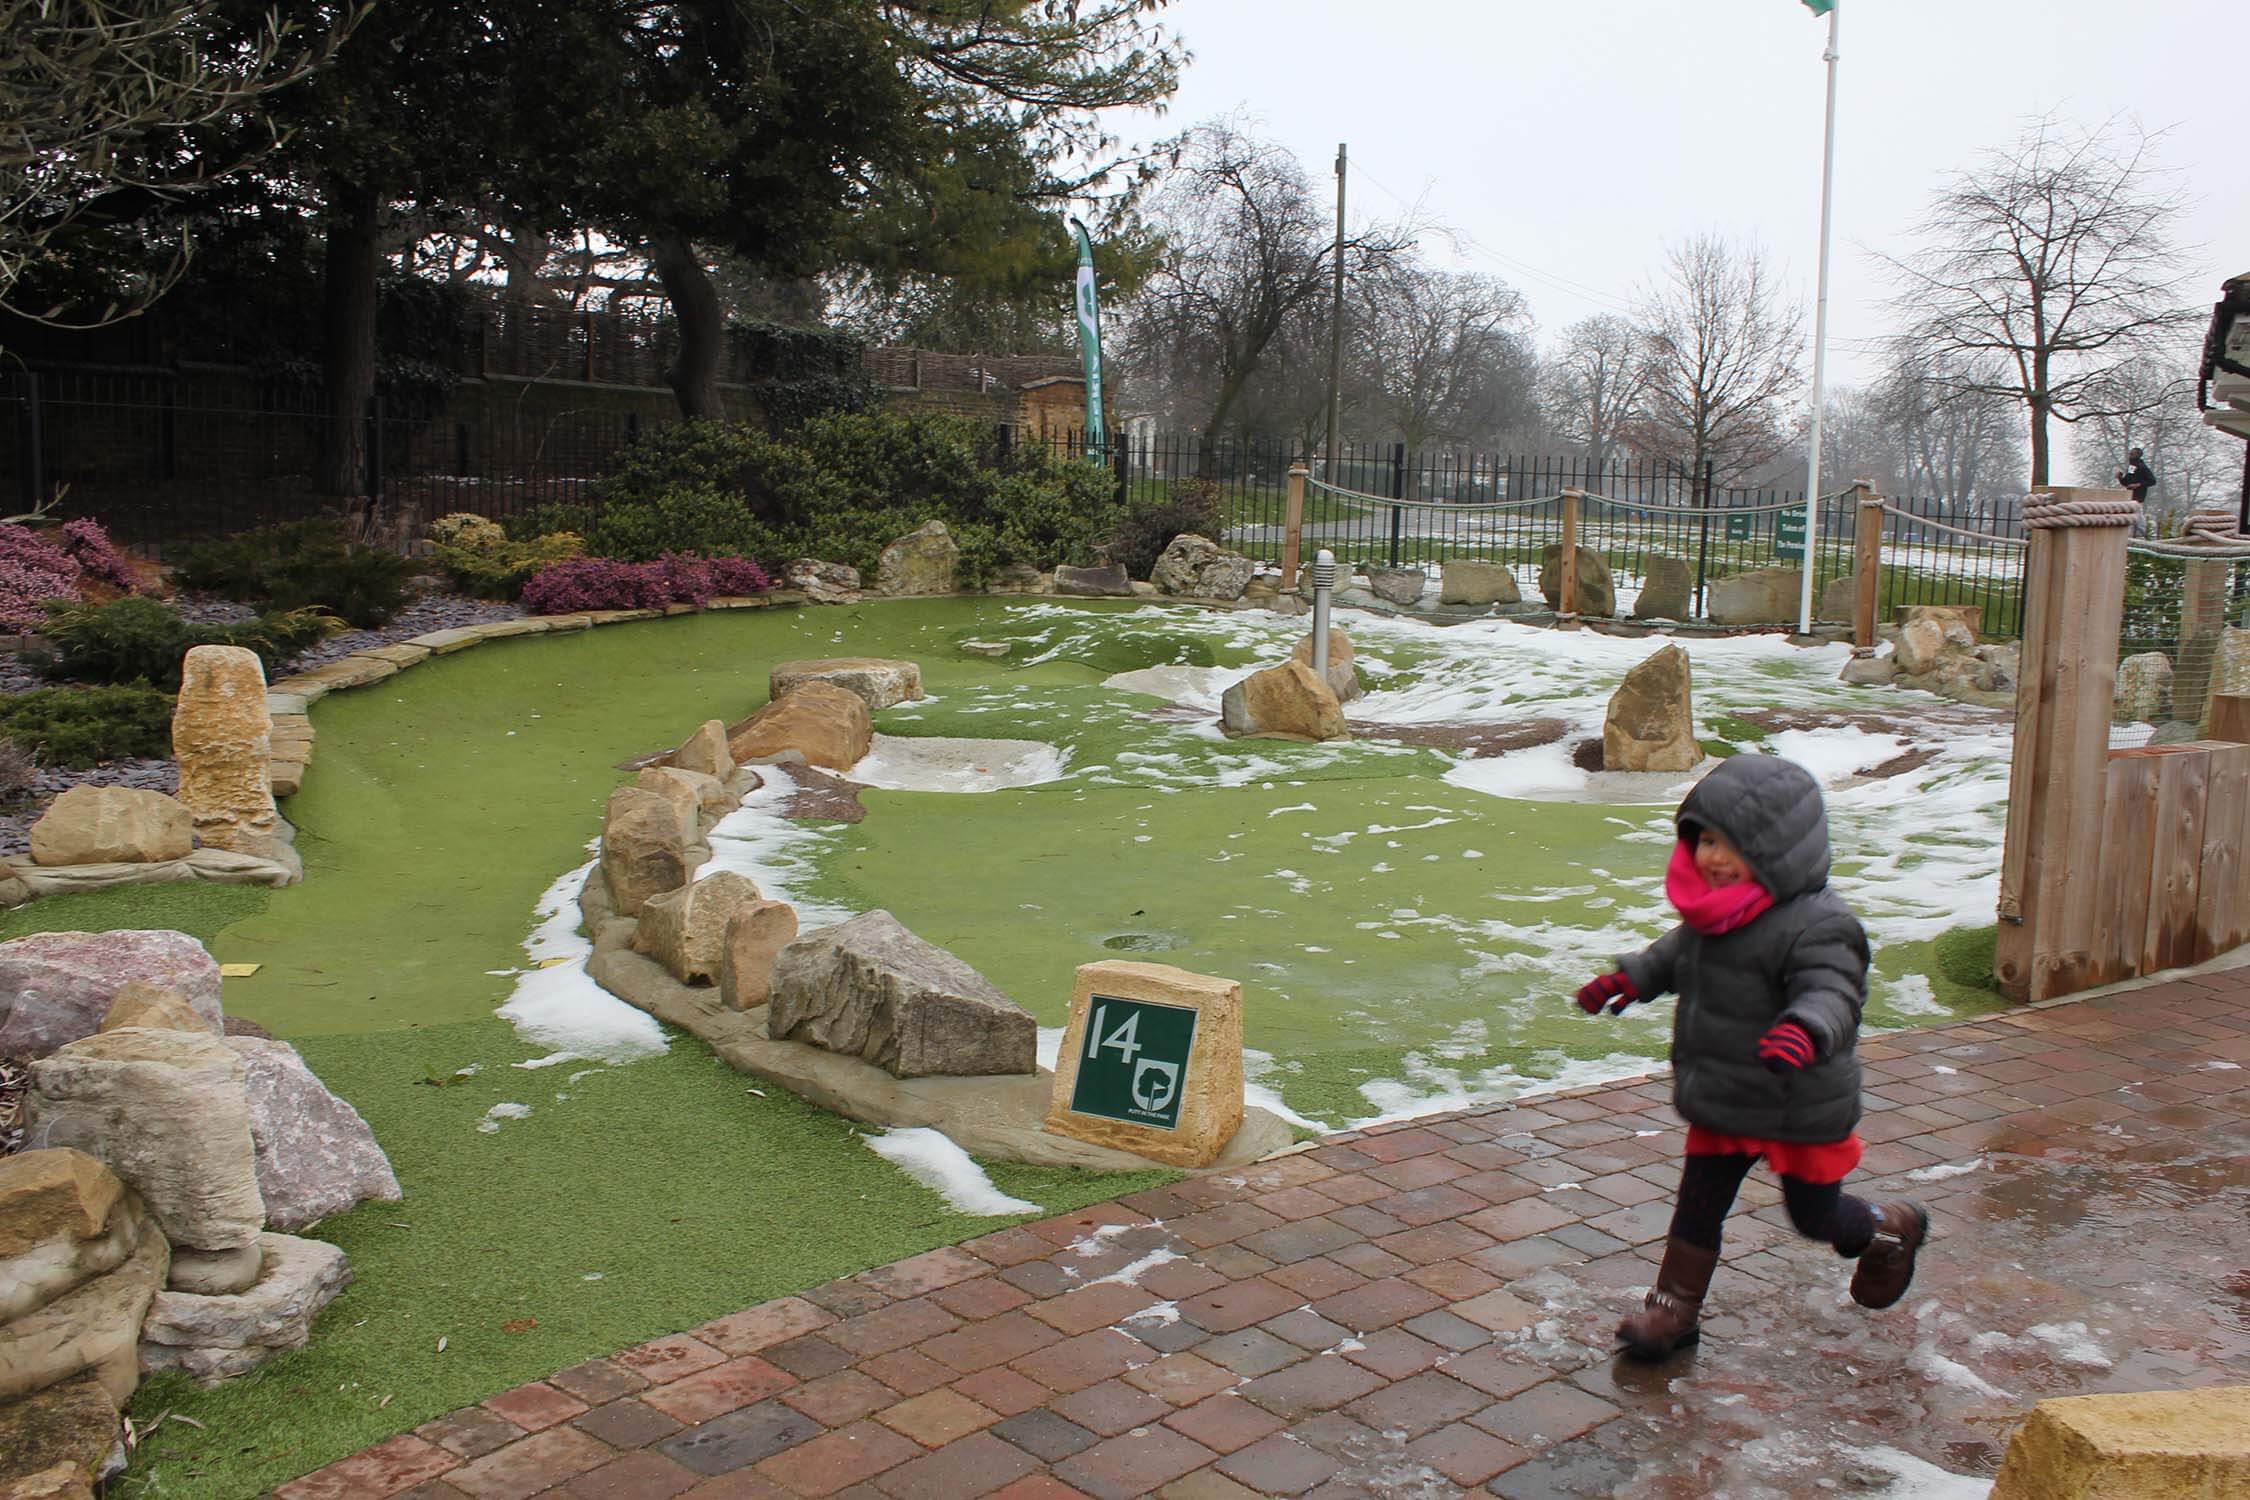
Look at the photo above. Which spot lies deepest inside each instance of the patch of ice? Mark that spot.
(1911, 995)
(2217, 1065)
(1916, 1478)
(2073, 1344)
(931, 1158)
(1931, 1365)
(1190, 687)
(557, 1005)
(1944, 1169)
(500, 1112)
(944, 764)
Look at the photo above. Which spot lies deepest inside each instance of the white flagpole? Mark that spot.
(1820, 335)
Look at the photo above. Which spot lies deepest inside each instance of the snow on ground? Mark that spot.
(940, 764)
(557, 1005)
(1913, 1478)
(931, 1158)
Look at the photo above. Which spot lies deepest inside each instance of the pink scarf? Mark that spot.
(1711, 909)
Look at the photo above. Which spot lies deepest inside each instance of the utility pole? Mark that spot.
(1336, 326)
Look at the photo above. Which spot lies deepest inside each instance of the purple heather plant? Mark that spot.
(90, 547)
(584, 583)
(34, 573)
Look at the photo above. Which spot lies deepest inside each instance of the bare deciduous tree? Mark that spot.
(1960, 440)
(2195, 465)
(1449, 354)
(1594, 386)
(2045, 271)
(1252, 250)
(1724, 348)
(94, 103)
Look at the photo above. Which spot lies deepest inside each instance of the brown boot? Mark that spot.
(1666, 1321)
(1886, 1266)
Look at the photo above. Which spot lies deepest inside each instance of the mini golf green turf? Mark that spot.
(443, 803)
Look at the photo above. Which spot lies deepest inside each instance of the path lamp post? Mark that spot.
(1323, 581)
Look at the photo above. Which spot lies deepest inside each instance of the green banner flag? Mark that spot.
(1090, 346)
(1820, 7)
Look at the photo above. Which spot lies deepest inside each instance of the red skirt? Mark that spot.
(1817, 1161)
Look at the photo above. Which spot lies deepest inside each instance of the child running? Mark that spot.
(1771, 970)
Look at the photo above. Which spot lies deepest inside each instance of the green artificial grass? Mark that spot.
(1399, 938)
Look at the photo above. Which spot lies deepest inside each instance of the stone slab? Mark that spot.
(1210, 1107)
(500, 630)
(446, 642)
(401, 654)
(2153, 1445)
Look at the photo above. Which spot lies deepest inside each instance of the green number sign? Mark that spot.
(1134, 1067)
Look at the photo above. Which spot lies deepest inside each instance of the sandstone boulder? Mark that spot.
(1597, 591)
(222, 737)
(64, 1219)
(822, 582)
(315, 1155)
(168, 1111)
(826, 724)
(1400, 586)
(1195, 567)
(1343, 677)
(1651, 721)
(1667, 589)
(879, 683)
(101, 825)
(1866, 669)
(93, 1328)
(706, 752)
(755, 937)
(686, 930)
(920, 562)
(1106, 582)
(56, 987)
(1762, 596)
(157, 1008)
(1285, 700)
(56, 1444)
(1925, 641)
(1016, 578)
(2230, 673)
(869, 988)
(215, 1338)
(1473, 581)
(680, 793)
(1839, 599)
(642, 854)
(2144, 689)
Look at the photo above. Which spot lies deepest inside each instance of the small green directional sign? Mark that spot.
(1738, 528)
(1135, 1062)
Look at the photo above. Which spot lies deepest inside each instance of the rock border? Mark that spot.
(996, 1115)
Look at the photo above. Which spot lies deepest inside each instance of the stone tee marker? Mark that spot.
(1151, 1062)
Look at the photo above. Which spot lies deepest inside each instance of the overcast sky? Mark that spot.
(1570, 141)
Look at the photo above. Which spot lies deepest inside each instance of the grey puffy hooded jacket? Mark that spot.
(1804, 960)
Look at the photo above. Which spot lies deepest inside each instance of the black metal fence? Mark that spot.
(124, 448)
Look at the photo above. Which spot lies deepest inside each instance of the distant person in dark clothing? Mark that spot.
(2138, 479)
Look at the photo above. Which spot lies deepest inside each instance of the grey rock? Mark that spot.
(1762, 596)
(215, 1338)
(1195, 567)
(1840, 599)
(315, 1154)
(168, 1112)
(2175, 732)
(1109, 582)
(1667, 589)
(2144, 688)
(215, 1271)
(822, 582)
(869, 988)
(56, 987)
(991, 649)
(1474, 581)
(1597, 591)
(1400, 586)
(1016, 578)
(1866, 669)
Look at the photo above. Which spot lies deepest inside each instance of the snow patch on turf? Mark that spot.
(946, 764)
(555, 1004)
(931, 1158)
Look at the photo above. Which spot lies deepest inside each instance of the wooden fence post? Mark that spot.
(1568, 607)
(1293, 528)
(2074, 602)
(1867, 565)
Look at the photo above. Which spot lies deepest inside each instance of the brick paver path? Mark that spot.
(1425, 1310)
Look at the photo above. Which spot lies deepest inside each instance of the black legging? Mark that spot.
(1820, 1210)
